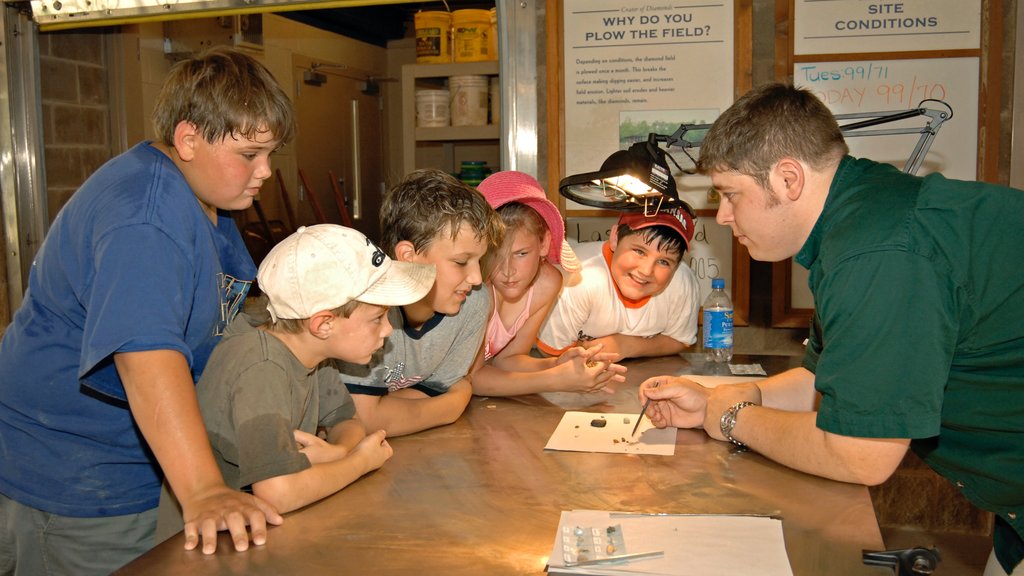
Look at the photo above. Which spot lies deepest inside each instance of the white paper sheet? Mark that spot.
(697, 545)
(576, 433)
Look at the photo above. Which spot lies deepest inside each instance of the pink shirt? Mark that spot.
(498, 336)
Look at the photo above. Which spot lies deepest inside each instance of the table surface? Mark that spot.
(482, 496)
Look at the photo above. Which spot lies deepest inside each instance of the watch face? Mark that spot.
(728, 421)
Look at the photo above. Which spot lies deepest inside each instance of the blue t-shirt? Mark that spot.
(131, 263)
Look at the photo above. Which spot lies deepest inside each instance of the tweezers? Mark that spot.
(611, 559)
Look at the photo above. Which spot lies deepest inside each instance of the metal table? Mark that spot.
(481, 496)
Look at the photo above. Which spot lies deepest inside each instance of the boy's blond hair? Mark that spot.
(223, 92)
(428, 203)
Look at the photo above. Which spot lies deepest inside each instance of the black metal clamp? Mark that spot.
(907, 562)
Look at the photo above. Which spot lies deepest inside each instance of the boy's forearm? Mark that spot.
(163, 402)
(346, 434)
(293, 491)
(399, 415)
(523, 363)
(640, 347)
(493, 381)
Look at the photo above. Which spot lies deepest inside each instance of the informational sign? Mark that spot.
(637, 67)
(859, 26)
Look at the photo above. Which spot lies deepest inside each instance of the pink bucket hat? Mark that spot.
(501, 188)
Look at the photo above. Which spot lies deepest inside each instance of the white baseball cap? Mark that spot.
(326, 266)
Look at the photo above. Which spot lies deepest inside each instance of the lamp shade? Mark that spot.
(634, 179)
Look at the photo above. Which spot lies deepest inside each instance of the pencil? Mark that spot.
(643, 410)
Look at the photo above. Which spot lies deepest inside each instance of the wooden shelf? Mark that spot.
(450, 137)
(485, 68)
(488, 132)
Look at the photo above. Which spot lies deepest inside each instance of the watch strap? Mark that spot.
(728, 421)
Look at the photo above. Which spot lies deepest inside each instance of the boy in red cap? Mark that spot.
(634, 298)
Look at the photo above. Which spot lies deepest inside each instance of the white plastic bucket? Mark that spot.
(495, 92)
(469, 100)
(432, 108)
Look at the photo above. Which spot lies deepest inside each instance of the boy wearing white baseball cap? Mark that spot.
(270, 383)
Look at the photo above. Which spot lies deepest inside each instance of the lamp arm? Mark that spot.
(935, 120)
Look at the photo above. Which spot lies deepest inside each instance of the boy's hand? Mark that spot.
(222, 508)
(374, 449)
(608, 346)
(317, 449)
(591, 370)
(676, 401)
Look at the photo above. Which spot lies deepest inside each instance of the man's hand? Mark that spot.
(222, 508)
(675, 401)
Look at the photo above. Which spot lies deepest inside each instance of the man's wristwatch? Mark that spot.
(728, 421)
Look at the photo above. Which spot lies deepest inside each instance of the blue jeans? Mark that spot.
(33, 542)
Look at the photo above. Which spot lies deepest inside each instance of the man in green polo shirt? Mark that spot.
(918, 334)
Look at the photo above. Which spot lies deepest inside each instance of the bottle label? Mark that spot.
(717, 328)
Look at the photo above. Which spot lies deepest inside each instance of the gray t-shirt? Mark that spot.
(254, 393)
(430, 359)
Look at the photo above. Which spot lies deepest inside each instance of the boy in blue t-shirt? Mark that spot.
(131, 289)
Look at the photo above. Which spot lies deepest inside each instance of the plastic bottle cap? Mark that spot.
(717, 283)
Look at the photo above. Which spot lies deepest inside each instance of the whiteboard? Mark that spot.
(884, 85)
(889, 85)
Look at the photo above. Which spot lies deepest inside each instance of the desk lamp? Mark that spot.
(639, 178)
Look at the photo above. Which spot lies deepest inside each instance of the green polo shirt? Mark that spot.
(918, 284)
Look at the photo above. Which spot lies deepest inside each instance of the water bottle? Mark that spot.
(717, 323)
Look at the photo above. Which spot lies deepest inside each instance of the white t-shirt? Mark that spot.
(592, 308)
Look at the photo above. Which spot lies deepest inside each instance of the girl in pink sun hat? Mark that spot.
(525, 276)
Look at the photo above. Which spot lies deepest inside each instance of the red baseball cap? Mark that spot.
(507, 186)
(675, 218)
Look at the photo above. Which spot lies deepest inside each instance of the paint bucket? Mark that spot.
(493, 38)
(432, 108)
(495, 93)
(471, 29)
(469, 100)
(433, 33)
